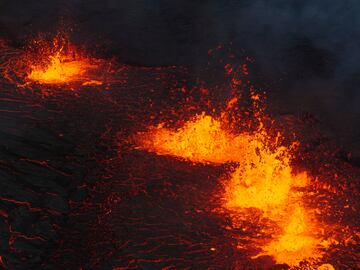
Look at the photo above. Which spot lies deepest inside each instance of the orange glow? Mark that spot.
(298, 240)
(202, 139)
(59, 70)
(56, 61)
(326, 266)
(263, 178)
(64, 65)
(92, 82)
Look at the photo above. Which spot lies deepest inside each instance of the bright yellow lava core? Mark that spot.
(60, 69)
(297, 241)
(202, 139)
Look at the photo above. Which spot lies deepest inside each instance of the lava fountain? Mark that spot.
(62, 63)
(60, 69)
(298, 239)
(56, 61)
(202, 139)
(261, 177)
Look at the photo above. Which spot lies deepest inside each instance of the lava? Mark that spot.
(60, 69)
(56, 61)
(202, 139)
(262, 177)
(299, 239)
(259, 173)
(64, 64)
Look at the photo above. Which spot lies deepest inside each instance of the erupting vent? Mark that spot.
(261, 177)
(56, 62)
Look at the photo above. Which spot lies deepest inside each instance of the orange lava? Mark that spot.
(59, 70)
(61, 63)
(326, 266)
(92, 83)
(202, 139)
(56, 61)
(299, 239)
(263, 178)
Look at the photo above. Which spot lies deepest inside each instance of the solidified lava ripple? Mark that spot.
(131, 209)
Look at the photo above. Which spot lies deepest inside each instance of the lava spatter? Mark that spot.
(203, 139)
(56, 61)
(60, 69)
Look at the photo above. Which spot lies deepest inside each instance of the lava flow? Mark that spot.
(262, 178)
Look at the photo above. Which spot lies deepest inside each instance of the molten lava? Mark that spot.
(298, 240)
(202, 139)
(56, 61)
(262, 178)
(60, 69)
(62, 63)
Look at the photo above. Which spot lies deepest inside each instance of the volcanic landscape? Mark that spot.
(107, 165)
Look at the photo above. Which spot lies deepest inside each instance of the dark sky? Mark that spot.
(307, 51)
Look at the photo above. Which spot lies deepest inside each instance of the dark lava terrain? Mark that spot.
(76, 195)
